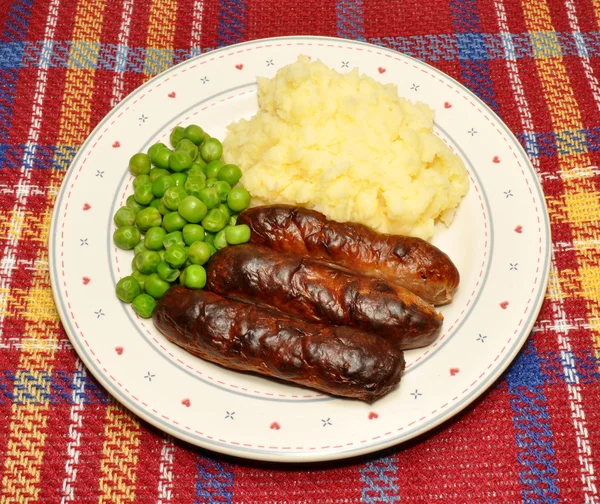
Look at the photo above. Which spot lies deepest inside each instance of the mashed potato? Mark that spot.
(349, 147)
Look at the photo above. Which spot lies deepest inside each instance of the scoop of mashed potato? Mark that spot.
(349, 147)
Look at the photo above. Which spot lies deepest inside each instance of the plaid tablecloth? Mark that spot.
(534, 437)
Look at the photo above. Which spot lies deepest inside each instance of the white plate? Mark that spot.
(499, 242)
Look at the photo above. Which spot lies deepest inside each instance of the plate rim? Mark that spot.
(332, 454)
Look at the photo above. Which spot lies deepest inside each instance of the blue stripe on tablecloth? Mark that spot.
(11, 55)
(472, 50)
(350, 19)
(533, 433)
(232, 22)
(214, 482)
(380, 483)
(58, 386)
(425, 47)
(17, 21)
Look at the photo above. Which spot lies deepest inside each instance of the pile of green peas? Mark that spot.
(183, 209)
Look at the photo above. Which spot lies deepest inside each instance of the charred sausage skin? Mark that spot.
(336, 360)
(409, 262)
(319, 293)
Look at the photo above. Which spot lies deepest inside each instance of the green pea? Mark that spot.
(210, 197)
(140, 277)
(180, 160)
(143, 194)
(194, 277)
(223, 188)
(179, 179)
(127, 289)
(157, 172)
(198, 167)
(173, 222)
(162, 208)
(189, 147)
(238, 199)
(126, 237)
(144, 305)
(162, 158)
(134, 205)
(237, 234)
(173, 196)
(147, 218)
(194, 184)
(153, 150)
(154, 238)
(221, 239)
(139, 163)
(209, 237)
(177, 133)
(214, 221)
(125, 216)
(161, 253)
(233, 220)
(175, 255)
(210, 182)
(167, 273)
(174, 238)
(199, 252)
(225, 211)
(230, 173)
(156, 286)
(155, 203)
(213, 168)
(192, 209)
(147, 261)
(192, 233)
(140, 180)
(161, 184)
(140, 247)
(194, 133)
(213, 249)
(211, 149)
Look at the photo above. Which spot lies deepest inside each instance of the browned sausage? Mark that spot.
(320, 293)
(409, 262)
(336, 360)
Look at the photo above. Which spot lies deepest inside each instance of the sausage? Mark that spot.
(409, 262)
(337, 360)
(317, 292)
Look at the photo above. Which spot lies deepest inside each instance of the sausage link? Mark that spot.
(409, 262)
(317, 292)
(337, 360)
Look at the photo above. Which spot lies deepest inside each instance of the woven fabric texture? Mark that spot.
(533, 437)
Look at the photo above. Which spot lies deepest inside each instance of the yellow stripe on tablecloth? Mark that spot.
(596, 5)
(161, 36)
(79, 81)
(32, 384)
(581, 198)
(119, 456)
